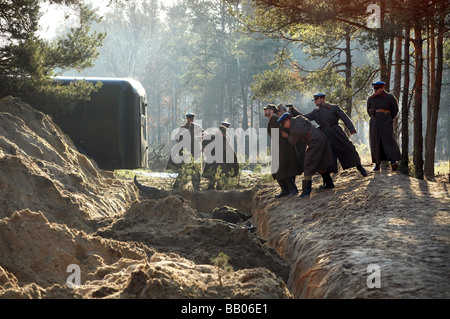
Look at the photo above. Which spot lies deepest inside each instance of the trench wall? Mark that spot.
(313, 271)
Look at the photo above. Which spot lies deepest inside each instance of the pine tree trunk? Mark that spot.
(404, 162)
(348, 72)
(381, 53)
(397, 76)
(430, 141)
(417, 110)
(431, 77)
(158, 112)
(382, 60)
(389, 63)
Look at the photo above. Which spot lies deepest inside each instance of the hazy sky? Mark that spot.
(55, 16)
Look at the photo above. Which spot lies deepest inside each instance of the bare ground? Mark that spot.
(387, 219)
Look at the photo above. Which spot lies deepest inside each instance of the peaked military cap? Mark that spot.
(272, 107)
(281, 108)
(190, 114)
(319, 94)
(379, 83)
(283, 118)
(225, 123)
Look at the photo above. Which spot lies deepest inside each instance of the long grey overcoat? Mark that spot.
(300, 147)
(327, 116)
(288, 165)
(228, 163)
(382, 110)
(318, 154)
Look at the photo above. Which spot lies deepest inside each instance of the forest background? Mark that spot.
(225, 60)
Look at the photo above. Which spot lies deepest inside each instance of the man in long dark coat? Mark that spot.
(327, 116)
(382, 108)
(300, 147)
(187, 164)
(318, 155)
(288, 167)
(221, 160)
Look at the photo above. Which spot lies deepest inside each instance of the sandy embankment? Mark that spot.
(59, 210)
(386, 220)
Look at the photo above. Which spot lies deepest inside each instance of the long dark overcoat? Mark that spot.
(327, 116)
(300, 147)
(288, 165)
(382, 110)
(318, 154)
(229, 165)
(195, 135)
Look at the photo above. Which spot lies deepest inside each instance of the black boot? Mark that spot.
(361, 170)
(327, 181)
(284, 189)
(394, 165)
(324, 181)
(306, 188)
(293, 190)
(376, 167)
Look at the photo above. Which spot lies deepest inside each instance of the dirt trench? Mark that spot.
(383, 236)
(250, 202)
(60, 214)
(202, 237)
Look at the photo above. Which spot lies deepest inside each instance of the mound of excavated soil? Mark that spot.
(40, 169)
(59, 211)
(170, 225)
(35, 255)
(383, 236)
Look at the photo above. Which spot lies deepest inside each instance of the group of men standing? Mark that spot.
(306, 149)
(303, 147)
(220, 163)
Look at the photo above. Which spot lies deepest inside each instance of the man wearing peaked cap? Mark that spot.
(221, 163)
(272, 107)
(189, 168)
(284, 117)
(318, 154)
(226, 124)
(327, 116)
(382, 108)
(288, 167)
(300, 147)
